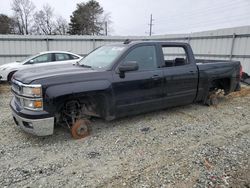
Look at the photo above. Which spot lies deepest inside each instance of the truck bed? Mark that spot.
(219, 68)
(228, 71)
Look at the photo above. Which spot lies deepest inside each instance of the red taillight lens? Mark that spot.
(241, 71)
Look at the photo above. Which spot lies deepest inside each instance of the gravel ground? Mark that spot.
(190, 146)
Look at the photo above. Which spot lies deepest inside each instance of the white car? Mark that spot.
(40, 59)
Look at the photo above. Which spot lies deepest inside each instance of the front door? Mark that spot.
(141, 90)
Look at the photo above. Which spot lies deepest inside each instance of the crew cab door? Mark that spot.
(139, 90)
(180, 75)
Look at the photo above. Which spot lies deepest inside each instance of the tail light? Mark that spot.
(241, 71)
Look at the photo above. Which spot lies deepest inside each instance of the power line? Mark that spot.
(229, 7)
(214, 21)
(207, 18)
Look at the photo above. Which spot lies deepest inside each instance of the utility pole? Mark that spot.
(150, 25)
(106, 28)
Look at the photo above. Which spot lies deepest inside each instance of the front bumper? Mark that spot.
(3, 76)
(39, 126)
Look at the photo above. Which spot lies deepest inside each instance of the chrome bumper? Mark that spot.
(38, 127)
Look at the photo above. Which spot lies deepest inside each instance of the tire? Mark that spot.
(212, 101)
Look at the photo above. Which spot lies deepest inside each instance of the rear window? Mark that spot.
(62, 57)
(73, 56)
(174, 56)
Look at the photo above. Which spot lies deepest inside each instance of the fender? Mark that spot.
(76, 88)
(100, 90)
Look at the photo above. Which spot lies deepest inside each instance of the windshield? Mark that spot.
(102, 57)
(23, 60)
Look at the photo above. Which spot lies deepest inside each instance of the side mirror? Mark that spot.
(128, 66)
(31, 61)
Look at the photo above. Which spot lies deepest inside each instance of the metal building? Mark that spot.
(228, 44)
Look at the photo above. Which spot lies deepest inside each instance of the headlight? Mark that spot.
(32, 91)
(33, 104)
(28, 96)
(3, 68)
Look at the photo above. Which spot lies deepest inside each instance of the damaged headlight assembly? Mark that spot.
(29, 96)
(32, 104)
(32, 91)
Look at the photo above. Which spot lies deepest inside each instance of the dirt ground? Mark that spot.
(190, 146)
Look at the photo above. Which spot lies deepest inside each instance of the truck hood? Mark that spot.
(29, 75)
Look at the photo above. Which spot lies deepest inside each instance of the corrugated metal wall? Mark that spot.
(231, 43)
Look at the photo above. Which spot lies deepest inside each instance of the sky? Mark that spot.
(131, 17)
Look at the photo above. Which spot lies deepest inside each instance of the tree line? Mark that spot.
(88, 19)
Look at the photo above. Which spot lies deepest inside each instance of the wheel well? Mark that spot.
(10, 76)
(90, 106)
(223, 83)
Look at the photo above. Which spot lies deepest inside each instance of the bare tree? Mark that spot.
(44, 21)
(61, 26)
(23, 13)
(107, 23)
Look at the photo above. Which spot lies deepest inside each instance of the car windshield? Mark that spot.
(102, 58)
(23, 60)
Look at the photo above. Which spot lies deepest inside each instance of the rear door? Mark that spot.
(180, 75)
(141, 90)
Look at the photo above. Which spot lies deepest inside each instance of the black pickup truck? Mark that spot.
(114, 81)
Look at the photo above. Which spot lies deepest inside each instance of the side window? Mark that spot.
(73, 56)
(62, 57)
(145, 56)
(174, 56)
(42, 59)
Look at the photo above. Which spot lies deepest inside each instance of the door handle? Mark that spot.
(155, 77)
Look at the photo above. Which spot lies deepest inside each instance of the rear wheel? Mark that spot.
(213, 101)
